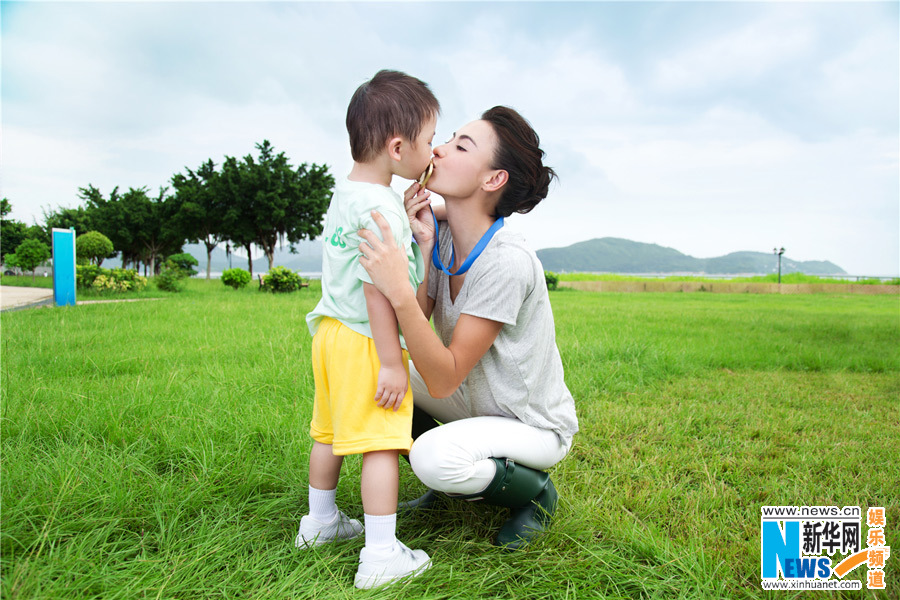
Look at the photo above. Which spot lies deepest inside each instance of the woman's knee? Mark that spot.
(441, 463)
(425, 461)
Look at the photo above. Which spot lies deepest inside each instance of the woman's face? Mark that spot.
(463, 164)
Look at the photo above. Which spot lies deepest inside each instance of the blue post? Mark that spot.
(64, 266)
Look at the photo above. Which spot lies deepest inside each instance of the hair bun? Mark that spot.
(518, 153)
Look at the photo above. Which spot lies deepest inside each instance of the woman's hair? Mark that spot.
(391, 103)
(519, 154)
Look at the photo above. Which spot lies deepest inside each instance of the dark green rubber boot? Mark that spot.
(530, 496)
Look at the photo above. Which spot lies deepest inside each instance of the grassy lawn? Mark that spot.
(160, 449)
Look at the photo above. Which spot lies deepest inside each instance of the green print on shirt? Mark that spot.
(336, 238)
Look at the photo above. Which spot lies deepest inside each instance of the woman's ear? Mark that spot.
(393, 147)
(496, 181)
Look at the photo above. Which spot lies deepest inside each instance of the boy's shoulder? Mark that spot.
(364, 194)
(345, 188)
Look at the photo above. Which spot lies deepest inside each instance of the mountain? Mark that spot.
(604, 255)
(614, 255)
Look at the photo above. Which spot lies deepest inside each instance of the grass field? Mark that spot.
(159, 449)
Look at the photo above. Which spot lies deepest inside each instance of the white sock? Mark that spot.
(322, 506)
(381, 531)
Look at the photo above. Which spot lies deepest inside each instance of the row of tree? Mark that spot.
(258, 201)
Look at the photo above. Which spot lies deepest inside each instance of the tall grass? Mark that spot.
(159, 449)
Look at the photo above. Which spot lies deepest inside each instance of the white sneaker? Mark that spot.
(399, 562)
(315, 533)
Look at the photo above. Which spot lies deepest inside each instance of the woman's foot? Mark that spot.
(315, 533)
(377, 568)
(527, 522)
(427, 500)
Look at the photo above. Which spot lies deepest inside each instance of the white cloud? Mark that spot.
(707, 130)
(736, 57)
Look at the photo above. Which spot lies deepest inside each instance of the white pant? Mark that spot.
(454, 458)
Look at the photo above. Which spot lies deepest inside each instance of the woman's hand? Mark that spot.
(385, 262)
(419, 212)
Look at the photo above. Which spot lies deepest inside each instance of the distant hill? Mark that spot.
(604, 255)
(615, 255)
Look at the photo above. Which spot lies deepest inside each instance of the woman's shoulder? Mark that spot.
(512, 244)
(508, 253)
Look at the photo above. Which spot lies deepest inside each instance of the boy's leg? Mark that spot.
(324, 523)
(324, 473)
(384, 559)
(380, 480)
(324, 467)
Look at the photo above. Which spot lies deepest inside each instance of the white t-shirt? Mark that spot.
(521, 375)
(342, 274)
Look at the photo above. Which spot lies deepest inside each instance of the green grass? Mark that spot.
(159, 449)
(26, 281)
(771, 278)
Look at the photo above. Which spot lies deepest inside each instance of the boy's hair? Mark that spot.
(391, 103)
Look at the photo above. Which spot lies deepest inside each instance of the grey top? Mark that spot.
(521, 375)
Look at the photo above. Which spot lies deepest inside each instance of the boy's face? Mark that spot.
(420, 152)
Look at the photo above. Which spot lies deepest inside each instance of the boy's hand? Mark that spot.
(392, 384)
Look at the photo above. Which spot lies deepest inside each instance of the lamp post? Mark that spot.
(779, 252)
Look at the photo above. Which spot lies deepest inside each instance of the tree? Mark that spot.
(235, 186)
(270, 202)
(150, 225)
(93, 246)
(80, 219)
(12, 233)
(202, 208)
(109, 218)
(141, 227)
(30, 254)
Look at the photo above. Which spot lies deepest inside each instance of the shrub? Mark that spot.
(185, 262)
(128, 280)
(281, 279)
(108, 280)
(86, 274)
(171, 278)
(552, 280)
(92, 247)
(236, 278)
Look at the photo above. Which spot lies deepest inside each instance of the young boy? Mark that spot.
(363, 401)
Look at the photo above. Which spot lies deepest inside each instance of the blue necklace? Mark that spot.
(476, 251)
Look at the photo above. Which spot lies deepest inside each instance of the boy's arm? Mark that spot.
(392, 377)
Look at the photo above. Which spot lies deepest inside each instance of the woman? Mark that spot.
(490, 371)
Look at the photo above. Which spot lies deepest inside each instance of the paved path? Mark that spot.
(23, 297)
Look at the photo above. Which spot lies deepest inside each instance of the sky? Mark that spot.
(708, 127)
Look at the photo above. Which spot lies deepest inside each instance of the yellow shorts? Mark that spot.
(345, 414)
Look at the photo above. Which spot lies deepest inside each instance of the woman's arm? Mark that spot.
(442, 368)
